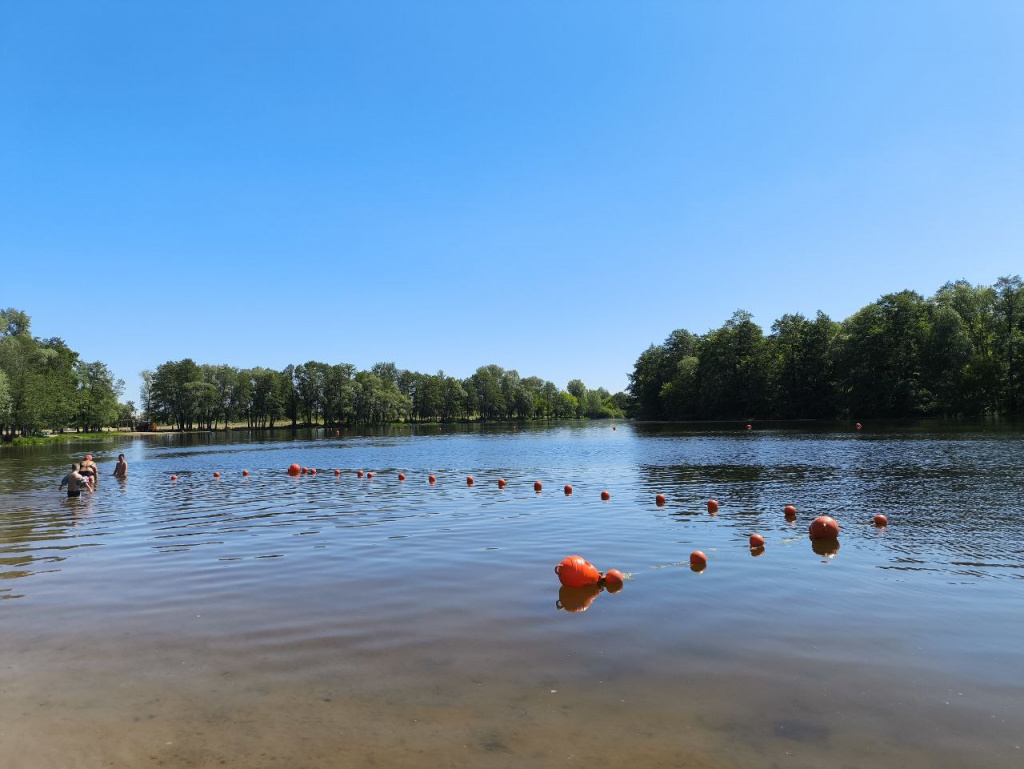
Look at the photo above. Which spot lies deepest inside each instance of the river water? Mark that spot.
(330, 621)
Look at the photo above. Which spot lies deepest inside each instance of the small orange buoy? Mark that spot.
(337, 433)
(750, 427)
(369, 475)
(245, 473)
(337, 472)
(537, 486)
(790, 511)
(401, 476)
(293, 469)
(567, 490)
(216, 474)
(824, 527)
(312, 471)
(432, 480)
(859, 426)
(174, 477)
(697, 558)
(613, 579)
(605, 496)
(756, 541)
(469, 480)
(659, 500)
(359, 473)
(501, 483)
(712, 506)
(576, 571)
(881, 520)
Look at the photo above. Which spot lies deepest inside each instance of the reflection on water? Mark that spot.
(328, 620)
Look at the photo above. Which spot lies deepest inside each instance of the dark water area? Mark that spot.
(325, 621)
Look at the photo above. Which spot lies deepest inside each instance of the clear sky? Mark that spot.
(550, 186)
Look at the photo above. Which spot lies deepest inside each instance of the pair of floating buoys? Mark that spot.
(577, 571)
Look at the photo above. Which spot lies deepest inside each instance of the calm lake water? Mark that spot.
(327, 621)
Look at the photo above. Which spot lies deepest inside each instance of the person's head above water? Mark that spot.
(74, 466)
(88, 456)
(120, 456)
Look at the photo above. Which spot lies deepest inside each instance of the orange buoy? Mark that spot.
(790, 511)
(312, 471)
(750, 427)
(501, 483)
(756, 541)
(293, 469)
(659, 500)
(697, 558)
(369, 475)
(359, 473)
(859, 426)
(712, 506)
(605, 496)
(537, 486)
(824, 527)
(469, 480)
(174, 477)
(881, 520)
(245, 473)
(216, 474)
(576, 571)
(401, 476)
(337, 471)
(567, 490)
(576, 599)
(337, 433)
(432, 480)
(613, 579)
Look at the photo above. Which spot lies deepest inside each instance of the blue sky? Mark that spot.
(550, 186)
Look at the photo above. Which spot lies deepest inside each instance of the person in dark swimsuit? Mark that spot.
(76, 482)
(90, 470)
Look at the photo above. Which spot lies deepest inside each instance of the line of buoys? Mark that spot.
(881, 520)
(712, 506)
(567, 489)
(824, 527)
(659, 500)
(605, 496)
(538, 486)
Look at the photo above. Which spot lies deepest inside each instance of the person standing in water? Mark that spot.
(76, 482)
(121, 468)
(89, 469)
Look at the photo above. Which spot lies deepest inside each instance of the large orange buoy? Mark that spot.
(712, 506)
(659, 500)
(401, 476)
(469, 480)
(576, 599)
(432, 480)
(881, 520)
(605, 496)
(613, 579)
(293, 469)
(337, 472)
(501, 483)
(567, 489)
(697, 558)
(790, 511)
(576, 571)
(216, 474)
(359, 473)
(537, 486)
(245, 473)
(824, 527)
(756, 541)
(174, 477)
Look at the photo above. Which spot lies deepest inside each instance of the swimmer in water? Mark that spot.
(121, 468)
(76, 482)
(89, 469)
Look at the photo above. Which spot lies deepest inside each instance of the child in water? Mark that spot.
(121, 468)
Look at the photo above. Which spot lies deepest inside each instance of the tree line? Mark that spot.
(191, 395)
(44, 384)
(959, 353)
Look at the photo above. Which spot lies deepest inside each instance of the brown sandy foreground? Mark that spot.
(91, 703)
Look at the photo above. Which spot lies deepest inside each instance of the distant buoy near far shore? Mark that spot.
(337, 472)
(859, 426)
(216, 474)
(750, 427)
(538, 486)
(401, 476)
(359, 473)
(712, 506)
(824, 527)
(469, 480)
(502, 483)
(567, 489)
(245, 473)
(432, 480)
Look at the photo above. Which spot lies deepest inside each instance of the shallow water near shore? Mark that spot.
(324, 621)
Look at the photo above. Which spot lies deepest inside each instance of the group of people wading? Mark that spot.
(85, 475)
